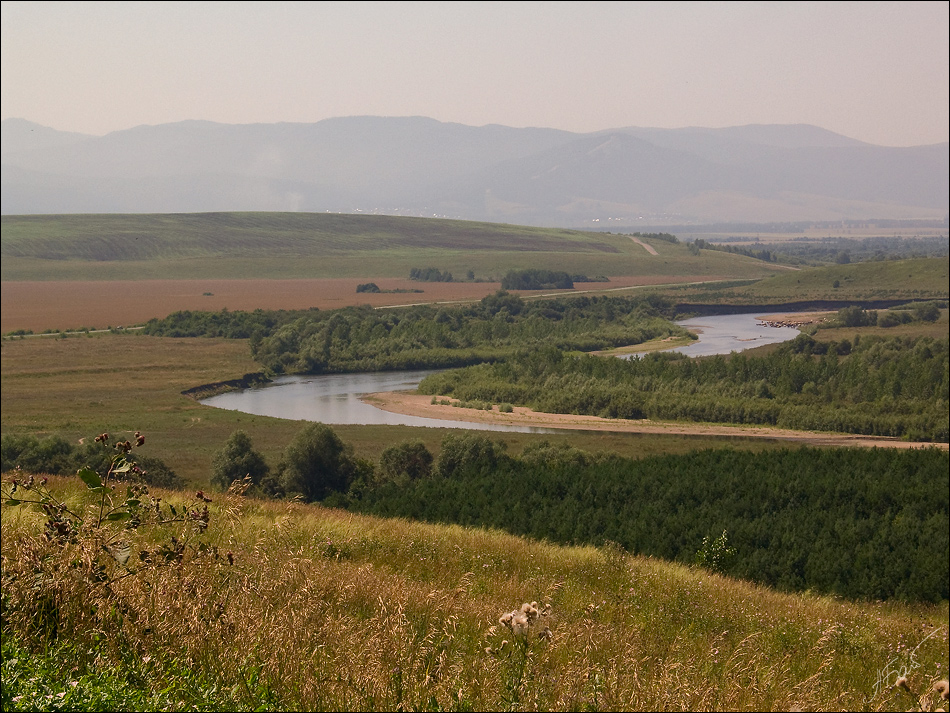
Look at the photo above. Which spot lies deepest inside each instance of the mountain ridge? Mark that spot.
(423, 167)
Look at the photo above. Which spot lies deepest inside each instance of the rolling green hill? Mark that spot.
(319, 245)
(912, 279)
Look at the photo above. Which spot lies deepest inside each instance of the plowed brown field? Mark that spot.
(39, 306)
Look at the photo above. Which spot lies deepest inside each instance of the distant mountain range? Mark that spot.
(418, 166)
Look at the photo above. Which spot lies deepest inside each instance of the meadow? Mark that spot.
(281, 606)
(316, 245)
(910, 279)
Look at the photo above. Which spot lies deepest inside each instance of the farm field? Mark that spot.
(87, 271)
(38, 306)
(69, 272)
(307, 246)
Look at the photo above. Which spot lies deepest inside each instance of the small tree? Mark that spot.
(716, 554)
(316, 463)
(462, 452)
(410, 459)
(236, 460)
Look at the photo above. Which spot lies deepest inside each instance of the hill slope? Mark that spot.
(303, 592)
(321, 245)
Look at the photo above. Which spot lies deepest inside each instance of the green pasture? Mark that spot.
(912, 279)
(316, 245)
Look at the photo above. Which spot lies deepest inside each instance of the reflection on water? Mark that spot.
(335, 398)
(723, 334)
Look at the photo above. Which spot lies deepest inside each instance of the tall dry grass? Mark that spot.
(319, 609)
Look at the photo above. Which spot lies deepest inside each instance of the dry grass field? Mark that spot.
(39, 306)
(318, 609)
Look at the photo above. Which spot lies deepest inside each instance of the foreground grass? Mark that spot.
(325, 610)
(64, 678)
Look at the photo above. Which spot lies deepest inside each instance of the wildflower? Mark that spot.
(530, 611)
(519, 624)
(520, 621)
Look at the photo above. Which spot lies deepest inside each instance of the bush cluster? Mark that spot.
(57, 456)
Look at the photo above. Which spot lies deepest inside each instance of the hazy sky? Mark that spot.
(875, 71)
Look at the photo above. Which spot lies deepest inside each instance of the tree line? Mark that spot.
(859, 523)
(425, 336)
(57, 456)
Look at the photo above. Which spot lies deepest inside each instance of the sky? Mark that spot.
(873, 71)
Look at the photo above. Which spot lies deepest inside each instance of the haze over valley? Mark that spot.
(623, 177)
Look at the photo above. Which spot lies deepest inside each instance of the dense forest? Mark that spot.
(860, 523)
(426, 336)
(894, 386)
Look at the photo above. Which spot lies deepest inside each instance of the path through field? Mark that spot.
(649, 248)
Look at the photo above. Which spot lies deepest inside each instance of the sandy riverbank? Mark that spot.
(413, 404)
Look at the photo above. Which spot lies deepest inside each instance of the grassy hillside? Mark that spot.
(297, 245)
(923, 277)
(298, 607)
(912, 279)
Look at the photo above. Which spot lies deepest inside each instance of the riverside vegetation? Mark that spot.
(424, 336)
(527, 353)
(877, 386)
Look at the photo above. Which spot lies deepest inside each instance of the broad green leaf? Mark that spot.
(118, 516)
(11, 501)
(90, 477)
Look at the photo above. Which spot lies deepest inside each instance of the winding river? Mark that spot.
(335, 398)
